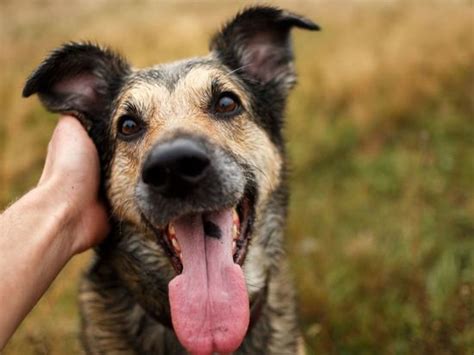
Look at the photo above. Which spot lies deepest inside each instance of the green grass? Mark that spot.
(381, 143)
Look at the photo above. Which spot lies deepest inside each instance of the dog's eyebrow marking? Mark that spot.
(136, 100)
(212, 230)
(133, 108)
(216, 87)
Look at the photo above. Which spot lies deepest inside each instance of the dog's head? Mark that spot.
(192, 157)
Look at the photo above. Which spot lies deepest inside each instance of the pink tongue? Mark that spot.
(209, 301)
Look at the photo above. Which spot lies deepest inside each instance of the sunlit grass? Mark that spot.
(381, 141)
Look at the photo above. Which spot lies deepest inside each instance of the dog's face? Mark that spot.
(191, 133)
(193, 167)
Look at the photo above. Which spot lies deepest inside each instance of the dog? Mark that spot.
(194, 171)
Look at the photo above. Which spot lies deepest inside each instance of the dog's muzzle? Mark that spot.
(194, 197)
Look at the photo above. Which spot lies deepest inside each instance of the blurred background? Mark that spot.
(381, 142)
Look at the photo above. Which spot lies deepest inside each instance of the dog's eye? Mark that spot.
(128, 126)
(227, 103)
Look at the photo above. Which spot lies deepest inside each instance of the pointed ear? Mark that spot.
(256, 43)
(81, 79)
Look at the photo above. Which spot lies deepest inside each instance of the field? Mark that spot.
(381, 143)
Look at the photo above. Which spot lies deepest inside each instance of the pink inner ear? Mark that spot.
(84, 85)
(263, 56)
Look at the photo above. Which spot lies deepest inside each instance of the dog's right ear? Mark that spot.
(81, 79)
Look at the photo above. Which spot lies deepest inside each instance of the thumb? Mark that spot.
(49, 162)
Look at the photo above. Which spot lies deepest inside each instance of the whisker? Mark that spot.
(236, 70)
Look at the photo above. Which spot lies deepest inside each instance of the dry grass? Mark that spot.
(381, 142)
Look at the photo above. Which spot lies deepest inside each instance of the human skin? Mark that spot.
(60, 217)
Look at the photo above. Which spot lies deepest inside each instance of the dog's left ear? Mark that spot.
(256, 44)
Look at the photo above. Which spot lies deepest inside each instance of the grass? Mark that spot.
(381, 140)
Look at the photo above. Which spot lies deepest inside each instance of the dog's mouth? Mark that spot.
(208, 297)
(242, 218)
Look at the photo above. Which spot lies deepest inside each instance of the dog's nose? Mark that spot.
(175, 167)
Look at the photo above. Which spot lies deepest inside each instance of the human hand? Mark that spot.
(41, 231)
(72, 175)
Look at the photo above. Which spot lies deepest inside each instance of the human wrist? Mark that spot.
(81, 216)
(57, 218)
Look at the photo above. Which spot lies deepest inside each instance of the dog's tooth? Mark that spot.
(176, 245)
(171, 230)
(235, 232)
(234, 246)
(235, 216)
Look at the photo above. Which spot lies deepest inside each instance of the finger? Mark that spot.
(74, 140)
(70, 147)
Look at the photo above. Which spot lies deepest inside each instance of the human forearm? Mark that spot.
(34, 246)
